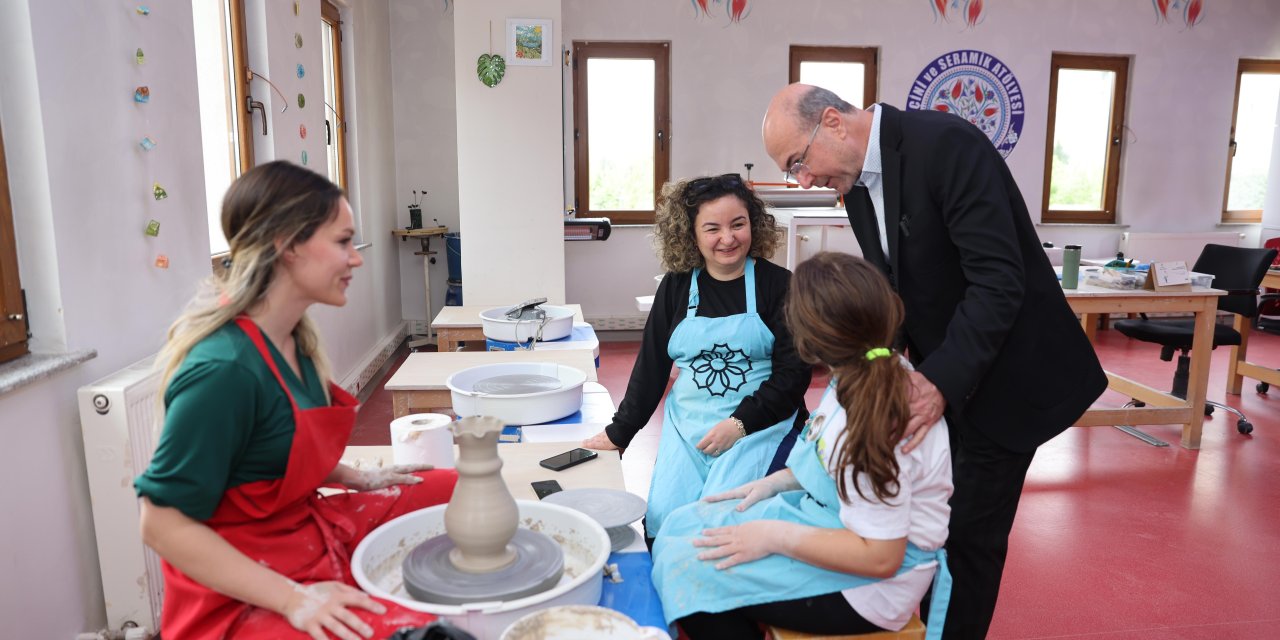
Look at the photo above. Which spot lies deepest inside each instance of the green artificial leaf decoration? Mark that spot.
(490, 67)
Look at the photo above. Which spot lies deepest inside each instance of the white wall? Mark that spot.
(1181, 87)
(81, 191)
(426, 146)
(510, 193)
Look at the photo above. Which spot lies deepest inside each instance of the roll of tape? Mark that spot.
(422, 438)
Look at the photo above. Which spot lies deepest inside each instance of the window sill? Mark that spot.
(34, 367)
(1238, 224)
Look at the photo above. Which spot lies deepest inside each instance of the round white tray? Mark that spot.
(496, 326)
(517, 393)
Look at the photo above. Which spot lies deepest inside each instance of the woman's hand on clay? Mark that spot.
(739, 544)
(323, 607)
(374, 479)
(600, 442)
(720, 437)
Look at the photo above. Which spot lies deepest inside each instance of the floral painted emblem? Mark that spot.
(720, 369)
(977, 87)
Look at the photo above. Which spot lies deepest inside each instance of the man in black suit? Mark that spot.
(995, 345)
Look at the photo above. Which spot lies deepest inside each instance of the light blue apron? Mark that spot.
(721, 361)
(688, 585)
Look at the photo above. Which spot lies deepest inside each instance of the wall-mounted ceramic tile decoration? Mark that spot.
(158, 191)
(302, 101)
(162, 261)
(969, 11)
(302, 71)
(304, 157)
(736, 10)
(142, 95)
(143, 10)
(147, 143)
(297, 8)
(302, 131)
(1191, 11)
(140, 57)
(490, 67)
(977, 87)
(153, 228)
(297, 40)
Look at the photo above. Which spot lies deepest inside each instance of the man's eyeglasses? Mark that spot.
(799, 165)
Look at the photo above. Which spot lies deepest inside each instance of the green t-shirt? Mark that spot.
(227, 423)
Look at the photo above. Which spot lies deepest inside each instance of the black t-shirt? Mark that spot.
(777, 398)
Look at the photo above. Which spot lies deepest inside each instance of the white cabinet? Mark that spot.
(809, 231)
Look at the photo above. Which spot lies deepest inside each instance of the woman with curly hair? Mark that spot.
(847, 538)
(718, 317)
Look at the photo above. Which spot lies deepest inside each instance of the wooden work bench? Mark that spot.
(459, 324)
(1162, 408)
(1238, 367)
(419, 384)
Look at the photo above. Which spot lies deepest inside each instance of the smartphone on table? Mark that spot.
(563, 461)
(544, 488)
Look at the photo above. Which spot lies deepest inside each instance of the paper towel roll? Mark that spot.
(422, 438)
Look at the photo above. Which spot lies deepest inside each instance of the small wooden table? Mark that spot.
(1163, 408)
(424, 237)
(1238, 366)
(520, 466)
(459, 324)
(419, 384)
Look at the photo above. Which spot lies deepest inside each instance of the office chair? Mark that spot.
(1236, 270)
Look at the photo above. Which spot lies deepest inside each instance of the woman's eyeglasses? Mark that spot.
(728, 181)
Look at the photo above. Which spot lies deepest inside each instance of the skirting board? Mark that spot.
(372, 361)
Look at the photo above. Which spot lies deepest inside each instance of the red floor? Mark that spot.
(1115, 538)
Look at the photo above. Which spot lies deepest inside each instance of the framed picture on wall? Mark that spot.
(529, 42)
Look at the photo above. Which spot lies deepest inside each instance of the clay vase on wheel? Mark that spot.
(482, 516)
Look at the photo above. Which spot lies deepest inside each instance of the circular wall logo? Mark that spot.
(977, 87)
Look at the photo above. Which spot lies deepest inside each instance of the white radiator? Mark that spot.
(1163, 247)
(120, 418)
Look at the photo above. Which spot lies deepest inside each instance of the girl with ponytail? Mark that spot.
(848, 537)
(253, 426)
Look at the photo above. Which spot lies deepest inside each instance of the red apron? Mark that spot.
(287, 526)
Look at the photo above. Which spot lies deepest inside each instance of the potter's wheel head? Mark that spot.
(429, 575)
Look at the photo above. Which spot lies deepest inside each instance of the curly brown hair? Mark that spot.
(673, 235)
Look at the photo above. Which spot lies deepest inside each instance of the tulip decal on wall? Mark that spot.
(968, 10)
(1192, 11)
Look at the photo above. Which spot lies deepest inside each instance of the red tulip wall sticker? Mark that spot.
(1191, 11)
(969, 11)
(735, 9)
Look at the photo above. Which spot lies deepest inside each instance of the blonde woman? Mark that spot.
(253, 426)
(718, 317)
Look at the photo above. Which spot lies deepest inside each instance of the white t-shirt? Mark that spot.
(919, 512)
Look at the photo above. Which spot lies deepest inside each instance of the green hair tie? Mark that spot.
(878, 352)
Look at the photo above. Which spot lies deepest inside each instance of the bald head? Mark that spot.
(790, 126)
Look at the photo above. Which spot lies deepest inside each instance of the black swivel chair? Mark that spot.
(1239, 272)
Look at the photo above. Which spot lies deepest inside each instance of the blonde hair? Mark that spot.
(839, 308)
(275, 202)
(673, 235)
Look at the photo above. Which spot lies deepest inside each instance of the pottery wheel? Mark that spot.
(517, 383)
(610, 507)
(429, 576)
(620, 537)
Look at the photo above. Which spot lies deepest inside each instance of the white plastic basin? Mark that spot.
(377, 562)
(496, 326)
(517, 408)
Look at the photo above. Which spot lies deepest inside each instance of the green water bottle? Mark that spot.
(1071, 266)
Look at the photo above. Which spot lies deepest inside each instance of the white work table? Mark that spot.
(459, 324)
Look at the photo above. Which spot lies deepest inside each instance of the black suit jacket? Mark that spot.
(986, 320)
